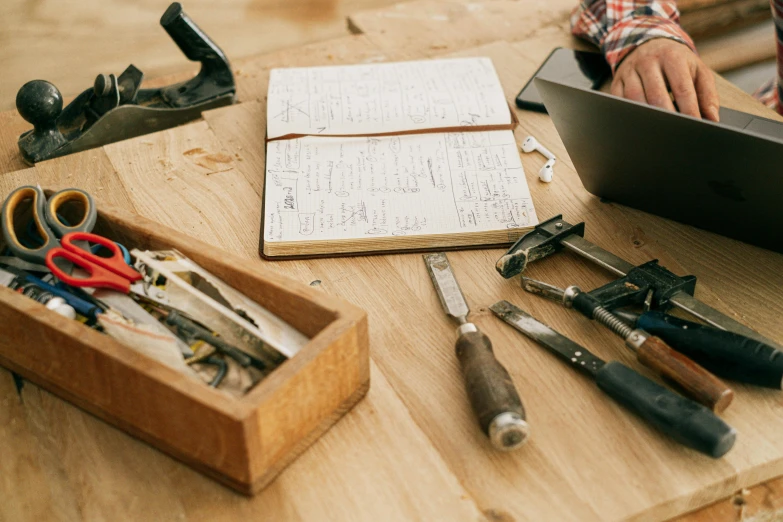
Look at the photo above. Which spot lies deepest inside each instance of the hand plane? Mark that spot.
(116, 108)
(649, 284)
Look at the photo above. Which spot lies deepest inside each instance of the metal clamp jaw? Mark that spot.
(116, 108)
(540, 242)
(649, 284)
(648, 281)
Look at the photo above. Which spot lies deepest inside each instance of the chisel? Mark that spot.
(726, 354)
(684, 420)
(696, 382)
(491, 391)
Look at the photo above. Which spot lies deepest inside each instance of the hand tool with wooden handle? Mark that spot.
(680, 418)
(726, 354)
(651, 351)
(491, 391)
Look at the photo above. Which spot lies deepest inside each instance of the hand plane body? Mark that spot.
(116, 108)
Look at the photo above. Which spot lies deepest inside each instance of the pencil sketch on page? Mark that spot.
(321, 188)
(385, 98)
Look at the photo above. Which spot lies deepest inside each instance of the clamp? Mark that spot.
(649, 284)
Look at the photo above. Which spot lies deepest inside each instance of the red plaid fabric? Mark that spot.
(620, 26)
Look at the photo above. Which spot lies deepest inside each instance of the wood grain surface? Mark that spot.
(718, 17)
(69, 43)
(734, 49)
(411, 450)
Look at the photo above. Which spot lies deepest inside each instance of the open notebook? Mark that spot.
(391, 157)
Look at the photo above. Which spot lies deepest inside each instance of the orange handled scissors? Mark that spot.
(104, 272)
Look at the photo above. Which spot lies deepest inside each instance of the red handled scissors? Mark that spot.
(104, 272)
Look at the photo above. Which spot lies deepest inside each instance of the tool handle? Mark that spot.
(191, 40)
(682, 419)
(696, 382)
(82, 307)
(490, 390)
(726, 354)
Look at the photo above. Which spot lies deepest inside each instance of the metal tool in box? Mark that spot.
(648, 284)
(192, 290)
(491, 391)
(117, 108)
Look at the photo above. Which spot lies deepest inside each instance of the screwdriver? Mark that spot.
(726, 354)
(682, 419)
(651, 351)
(491, 391)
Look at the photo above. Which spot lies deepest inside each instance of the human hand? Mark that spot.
(644, 74)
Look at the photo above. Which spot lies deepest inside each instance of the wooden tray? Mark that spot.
(243, 443)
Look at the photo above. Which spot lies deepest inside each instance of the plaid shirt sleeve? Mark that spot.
(620, 26)
(771, 92)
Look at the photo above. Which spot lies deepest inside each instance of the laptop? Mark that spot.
(724, 177)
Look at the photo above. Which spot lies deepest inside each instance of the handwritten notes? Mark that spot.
(321, 188)
(385, 98)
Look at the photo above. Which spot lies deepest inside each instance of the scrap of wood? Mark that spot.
(739, 48)
(718, 19)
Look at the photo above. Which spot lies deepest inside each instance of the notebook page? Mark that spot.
(385, 97)
(320, 188)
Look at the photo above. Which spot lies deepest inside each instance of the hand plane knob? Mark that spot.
(40, 103)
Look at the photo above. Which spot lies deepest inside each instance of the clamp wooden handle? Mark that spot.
(696, 382)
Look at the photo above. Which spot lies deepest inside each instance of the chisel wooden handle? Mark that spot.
(491, 391)
(696, 382)
(682, 419)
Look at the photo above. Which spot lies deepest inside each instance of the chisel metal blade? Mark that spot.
(446, 285)
(575, 354)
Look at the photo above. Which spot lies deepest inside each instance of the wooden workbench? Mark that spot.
(410, 450)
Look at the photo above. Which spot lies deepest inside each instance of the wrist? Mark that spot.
(626, 36)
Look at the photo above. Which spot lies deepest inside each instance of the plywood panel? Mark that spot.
(434, 27)
(739, 48)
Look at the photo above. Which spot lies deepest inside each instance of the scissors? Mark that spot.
(47, 218)
(111, 272)
(47, 221)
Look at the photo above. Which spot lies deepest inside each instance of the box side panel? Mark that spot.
(310, 401)
(127, 389)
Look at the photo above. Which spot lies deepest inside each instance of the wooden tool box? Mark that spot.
(244, 443)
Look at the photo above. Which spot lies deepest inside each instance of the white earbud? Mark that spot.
(547, 171)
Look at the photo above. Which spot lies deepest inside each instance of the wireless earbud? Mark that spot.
(547, 171)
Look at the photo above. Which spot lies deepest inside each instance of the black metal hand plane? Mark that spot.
(116, 108)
